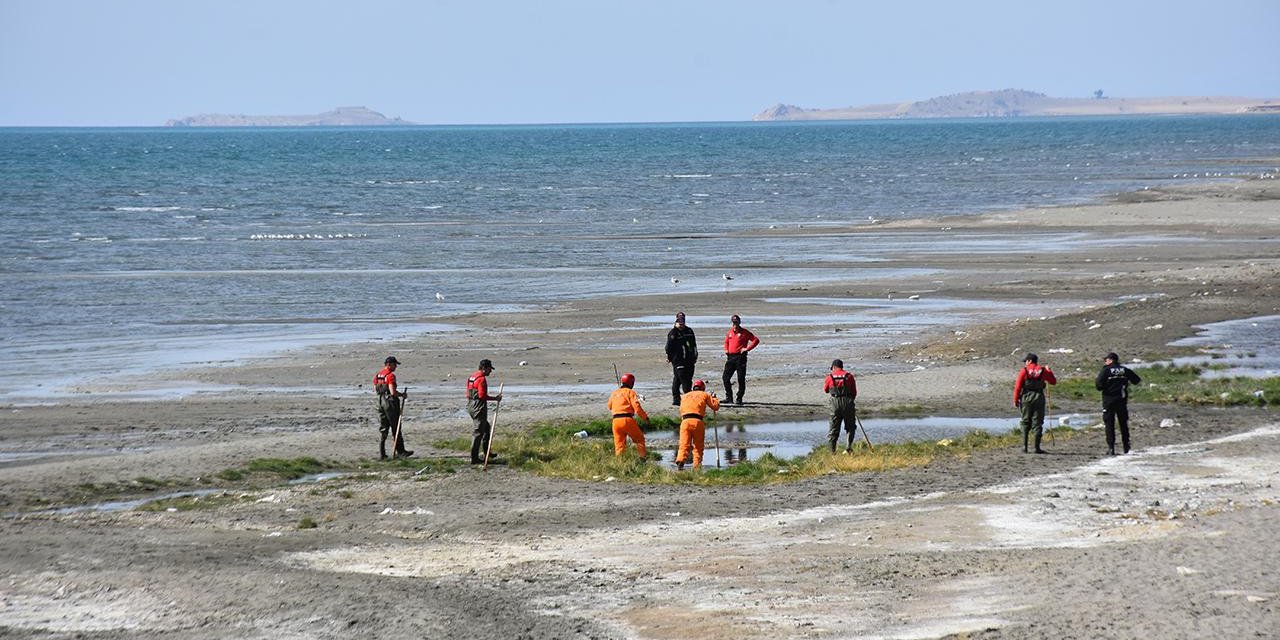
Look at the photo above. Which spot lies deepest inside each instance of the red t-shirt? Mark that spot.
(742, 339)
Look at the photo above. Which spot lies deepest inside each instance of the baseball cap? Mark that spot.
(486, 364)
(391, 360)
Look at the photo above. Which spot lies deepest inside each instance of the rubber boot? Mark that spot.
(382, 448)
(476, 450)
(1025, 433)
(1039, 434)
(1126, 447)
(849, 448)
(1111, 450)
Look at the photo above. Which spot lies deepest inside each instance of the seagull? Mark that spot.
(439, 297)
(726, 276)
(675, 280)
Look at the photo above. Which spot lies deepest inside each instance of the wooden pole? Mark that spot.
(492, 428)
(864, 433)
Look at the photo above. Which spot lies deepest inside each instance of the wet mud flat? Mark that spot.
(955, 548)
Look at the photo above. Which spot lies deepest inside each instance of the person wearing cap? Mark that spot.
(624, 404)
(1028, 395)
(1113, 381)
(389, 404)
(843, 389)
(682, 353)
(478, 408)
(737, 343)
(693, 425)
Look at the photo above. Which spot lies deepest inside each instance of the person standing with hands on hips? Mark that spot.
(682, 353)
(1028, 395)
(737, 343)
(1113, 381)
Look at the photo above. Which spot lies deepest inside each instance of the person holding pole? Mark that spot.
(1029, 396)
(390, 401)
(624, 404)
(693, 426)
(478, 399)
(843, 389)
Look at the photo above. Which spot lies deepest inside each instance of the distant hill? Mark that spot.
(342, 116)
(1010, 103)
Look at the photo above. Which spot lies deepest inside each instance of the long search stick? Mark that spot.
(864, 433)
(717, 434)
(399, 423)
(617, 378)
(492, 427)
(1047, 414)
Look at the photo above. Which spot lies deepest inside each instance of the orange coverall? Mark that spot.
(624, 404)
(693, 429)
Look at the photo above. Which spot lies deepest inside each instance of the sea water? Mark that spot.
(122, 248)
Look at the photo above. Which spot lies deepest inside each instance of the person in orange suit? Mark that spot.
(624, 404)
(693, 426)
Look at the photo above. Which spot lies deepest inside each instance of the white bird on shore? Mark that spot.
(675, 280)
(439, 297)
(726, 276)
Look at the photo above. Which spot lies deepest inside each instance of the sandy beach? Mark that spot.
(1173, 541)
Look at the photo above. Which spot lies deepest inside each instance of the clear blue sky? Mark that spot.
(141, 62)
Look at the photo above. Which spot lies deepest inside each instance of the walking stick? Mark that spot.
(617, 378)
(717, 435)
(864, 433)
(395, 440)
(1047, 415)
(492, 427)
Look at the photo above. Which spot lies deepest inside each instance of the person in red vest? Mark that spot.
(389, 404)
(737, 343)
(1028, 395)
(478, 408)
(843, 389)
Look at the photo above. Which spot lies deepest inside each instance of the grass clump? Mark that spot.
(307, 522)
(901, 410)
(289, 469)
(1182, 385)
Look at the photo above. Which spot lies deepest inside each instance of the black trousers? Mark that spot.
(388, 418)
(480, 436)
(735, 362)
(681, 380)
(1113, 412)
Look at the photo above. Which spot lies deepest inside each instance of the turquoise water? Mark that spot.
(114, 241)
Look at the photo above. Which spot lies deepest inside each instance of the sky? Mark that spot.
(139, 63)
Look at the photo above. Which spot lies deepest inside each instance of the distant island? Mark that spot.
(340, 117)
(1012, 103)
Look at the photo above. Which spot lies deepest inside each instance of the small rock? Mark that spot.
(1255, 598)
(1167, 422)
(1187, 571)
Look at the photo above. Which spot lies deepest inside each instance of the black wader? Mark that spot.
(1032, 411)
(479, 411)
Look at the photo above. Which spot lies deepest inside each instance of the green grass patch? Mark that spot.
(900, 410)
(568, 457)
(288, 469)
(307, 522)
(1180, 385)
